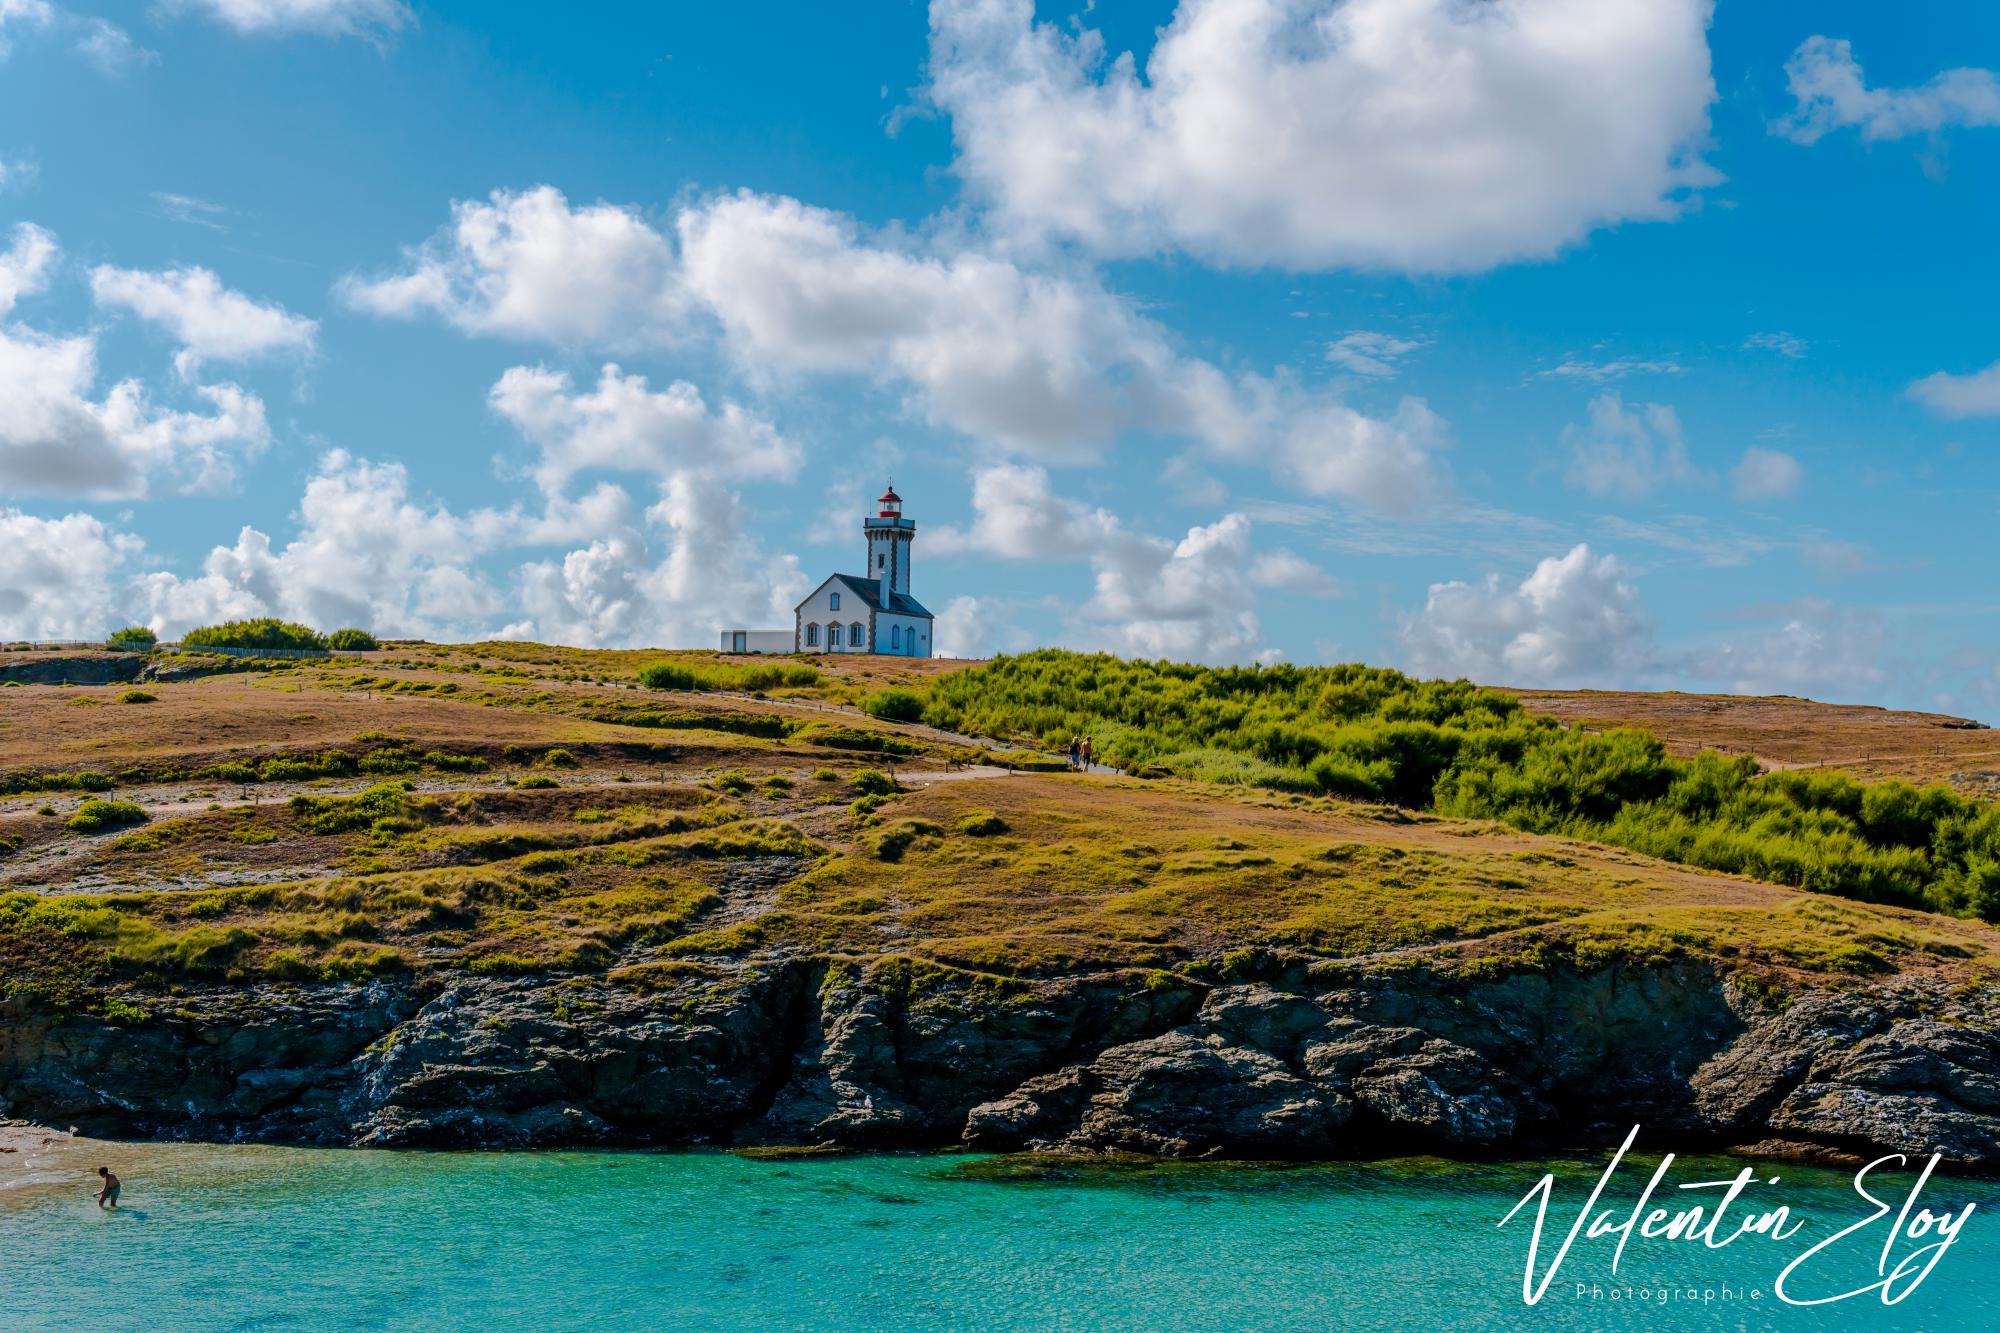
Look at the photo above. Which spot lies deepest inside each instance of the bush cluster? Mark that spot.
(131, 639)
(1462, 750)
(741, 679)
(351, 641)
(261, 633)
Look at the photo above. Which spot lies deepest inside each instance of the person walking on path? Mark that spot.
(1086, 754)
(1073, 751)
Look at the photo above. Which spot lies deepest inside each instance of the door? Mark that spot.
(740, 642)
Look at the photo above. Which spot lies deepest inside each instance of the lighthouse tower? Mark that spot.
(889, 538)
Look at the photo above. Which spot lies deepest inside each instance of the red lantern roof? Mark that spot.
(890, 497)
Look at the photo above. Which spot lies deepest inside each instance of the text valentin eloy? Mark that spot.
(1865, 1256)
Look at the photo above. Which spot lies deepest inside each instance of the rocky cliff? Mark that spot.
(1281, 1059)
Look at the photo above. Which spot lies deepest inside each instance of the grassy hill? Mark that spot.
(503, 808)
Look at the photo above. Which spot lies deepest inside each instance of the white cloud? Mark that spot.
(529, 266)
(210, 321)
(711, 575)
(1193, 598)
(623, 426)
(1603, 372)
(1051, 366)
(1376, 355)
(1784, 344)
(56, 439)
(333, 18)
(1974, 395)
(25, 265)
(1831, 93)
(56, 575)
(1576, 620)
(1812, 648)
(1766, 474)
(966, 628)
(1629, 454)
(1018, 516)
(111, 49)
(1425, 135)
(367, 553)
(16, 14)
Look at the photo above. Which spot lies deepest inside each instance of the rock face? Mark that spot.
(803, 1052)
(74, 669)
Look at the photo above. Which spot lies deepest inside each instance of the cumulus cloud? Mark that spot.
(17, 15)
(1808, 647)
(1192, 598)
(1576, 620)
(56, 438)
(25, 265)
(1627, 453)
(1766, 474)
(711, 574)
(1376, 355)
(1974, 395)
(1830, 93)
(527, 265)
(1047, 365)
(57, 575)
(367, 553)
(211, 322)
(333, 18)
(623, 426)
(1423, 135)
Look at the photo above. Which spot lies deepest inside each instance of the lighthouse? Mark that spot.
(869, 612)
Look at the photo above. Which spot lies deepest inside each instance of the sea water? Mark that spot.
(256, 1237)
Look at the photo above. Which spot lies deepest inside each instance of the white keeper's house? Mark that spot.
(850, 613)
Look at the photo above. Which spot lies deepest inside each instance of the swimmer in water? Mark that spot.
(108, 1196)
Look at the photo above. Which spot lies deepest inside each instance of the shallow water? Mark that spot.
(222, 1238)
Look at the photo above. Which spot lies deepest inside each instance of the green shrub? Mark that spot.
(536, 782)
(741, 679)
(86, 780)
(982, 824)
(231, 772)
(94, 816)
(265, 632)
(825, 775)
(561, 759)
(732, 781)
(347, 814)
(894, 706)
(352, 641)
(138, 697)
(131, 639)
(874, 782)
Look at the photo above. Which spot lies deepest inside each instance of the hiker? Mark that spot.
(1074, 743)
(108, 1196)
(1086, 754)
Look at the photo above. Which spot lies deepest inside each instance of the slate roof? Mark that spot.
(870, 591)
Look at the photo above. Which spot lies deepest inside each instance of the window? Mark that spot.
(855, 637)
(895, 638)
(833, 636)
(833, 601)
(881, 562)
(812, 636)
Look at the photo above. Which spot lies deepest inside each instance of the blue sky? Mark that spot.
(1550, 342)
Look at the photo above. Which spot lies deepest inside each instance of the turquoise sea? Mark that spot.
(251, 1237)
